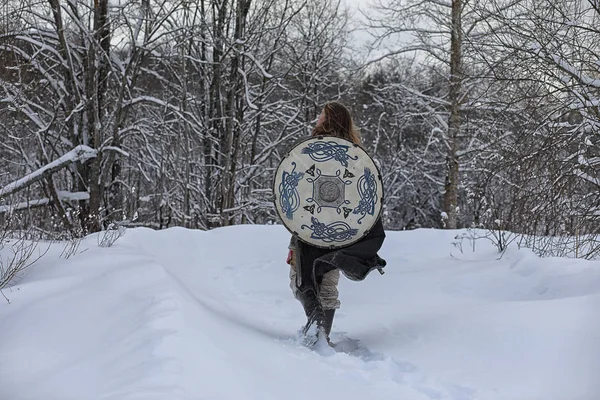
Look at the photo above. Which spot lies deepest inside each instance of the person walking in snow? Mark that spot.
(315, 272)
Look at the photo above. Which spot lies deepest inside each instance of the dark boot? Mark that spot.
(312, 307)
(307, 292)
(328, 321)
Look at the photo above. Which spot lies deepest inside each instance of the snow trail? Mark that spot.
(183, 314)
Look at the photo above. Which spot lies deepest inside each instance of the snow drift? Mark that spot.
(180, 314)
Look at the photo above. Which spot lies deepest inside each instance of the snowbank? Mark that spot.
(180, 314)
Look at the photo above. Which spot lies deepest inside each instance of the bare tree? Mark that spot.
(449, 36)
(547, 50)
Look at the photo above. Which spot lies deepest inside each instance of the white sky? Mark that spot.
(361, 38)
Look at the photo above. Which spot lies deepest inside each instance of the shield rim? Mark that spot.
(274, 184)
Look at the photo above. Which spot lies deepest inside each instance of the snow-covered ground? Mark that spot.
(181, 314)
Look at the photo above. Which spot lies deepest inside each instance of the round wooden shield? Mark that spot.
(328, 192)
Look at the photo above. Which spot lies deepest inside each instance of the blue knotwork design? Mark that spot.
(367, 190)
(337, 231)
(289, 199)
(324, 151)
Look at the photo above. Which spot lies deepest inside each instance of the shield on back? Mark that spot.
(328, 192)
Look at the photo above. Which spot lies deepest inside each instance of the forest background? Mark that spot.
(160, 113)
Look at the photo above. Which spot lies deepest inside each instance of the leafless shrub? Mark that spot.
(71, 248)
(73, 242)
(108, 237)
(501, 239)
(585, 246)
(16, 255)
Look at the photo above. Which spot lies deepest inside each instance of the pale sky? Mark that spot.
(362, 38)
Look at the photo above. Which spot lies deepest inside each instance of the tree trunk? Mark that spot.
(235, 104)
(216, 153)
(452, 176)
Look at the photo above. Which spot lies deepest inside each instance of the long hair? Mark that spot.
(337, 121)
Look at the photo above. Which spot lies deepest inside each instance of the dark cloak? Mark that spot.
(355, 261)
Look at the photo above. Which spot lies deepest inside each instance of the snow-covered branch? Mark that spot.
(62, 195)
(78, 154)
